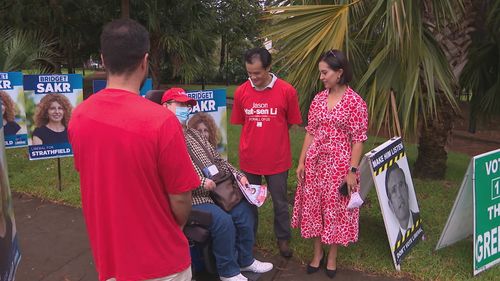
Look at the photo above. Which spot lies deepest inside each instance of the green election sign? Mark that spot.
(486, 210)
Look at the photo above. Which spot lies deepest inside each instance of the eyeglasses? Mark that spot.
(181, 104)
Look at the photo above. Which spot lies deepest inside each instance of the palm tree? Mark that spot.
(25, 50)
(454, 38)
(481, 74)
(182, 38)
(393, 48)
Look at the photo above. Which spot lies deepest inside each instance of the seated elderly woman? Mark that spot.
(231, 232)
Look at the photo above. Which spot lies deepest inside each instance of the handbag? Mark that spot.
(197, 226)
(225, 194)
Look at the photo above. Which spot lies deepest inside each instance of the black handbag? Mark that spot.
(197, 225)
(225, 194)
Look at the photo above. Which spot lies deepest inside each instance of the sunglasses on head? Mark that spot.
(331, 53)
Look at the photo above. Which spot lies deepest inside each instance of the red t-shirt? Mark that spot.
(265, 116)
(131, 154)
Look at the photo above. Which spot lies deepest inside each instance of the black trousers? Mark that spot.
(276, 186)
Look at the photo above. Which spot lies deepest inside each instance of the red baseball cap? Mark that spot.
(178, 95)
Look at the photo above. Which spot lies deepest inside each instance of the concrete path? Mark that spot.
(55, 247)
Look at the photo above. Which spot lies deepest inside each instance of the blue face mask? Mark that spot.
(182, 114)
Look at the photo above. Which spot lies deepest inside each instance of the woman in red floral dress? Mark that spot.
(336, 130)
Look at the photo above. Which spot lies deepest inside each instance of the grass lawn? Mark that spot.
(370, 254)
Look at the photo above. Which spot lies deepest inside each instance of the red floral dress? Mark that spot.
(319, 209)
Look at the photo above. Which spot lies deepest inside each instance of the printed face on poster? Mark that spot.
(50, 100)
(9, 249)
(209, 117)
(397, 198)
(13, 112)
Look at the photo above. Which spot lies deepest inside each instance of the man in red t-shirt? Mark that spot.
(267, 106)
(136, 176)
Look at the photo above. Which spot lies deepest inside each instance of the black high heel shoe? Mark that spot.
(311, 269)
(331, 273)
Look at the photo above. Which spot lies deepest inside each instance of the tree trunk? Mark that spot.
(57, 67)
(70, 61)
(227, 65)
(432, 153)
(125, 9)
(454, 40)
(222, 54)
(155, 72)
(156, 59)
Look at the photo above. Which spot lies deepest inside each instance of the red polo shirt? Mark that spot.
(265, 116)
(131, 155)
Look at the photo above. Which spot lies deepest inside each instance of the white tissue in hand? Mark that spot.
(355, 201)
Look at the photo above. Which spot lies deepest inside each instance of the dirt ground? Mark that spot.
(486, 138)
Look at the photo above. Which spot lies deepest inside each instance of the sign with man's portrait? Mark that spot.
(397, 197)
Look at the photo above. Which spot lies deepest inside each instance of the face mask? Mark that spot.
(182, 114)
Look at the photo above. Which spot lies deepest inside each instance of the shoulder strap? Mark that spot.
(195, 158)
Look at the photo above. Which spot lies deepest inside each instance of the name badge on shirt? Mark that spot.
(259, 124)
(210, 171)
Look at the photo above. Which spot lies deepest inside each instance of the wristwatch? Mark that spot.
(353, 169)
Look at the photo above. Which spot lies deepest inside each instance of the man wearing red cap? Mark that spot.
(266, 107)
(231, 232)
(135, 172)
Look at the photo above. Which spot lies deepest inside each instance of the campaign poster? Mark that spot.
(397, 198)
(98, 85)
(209, 117)
(50, 100)
(486, 186)
(13, 112)
(9, 248)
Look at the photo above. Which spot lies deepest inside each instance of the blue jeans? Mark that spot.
(232, 237)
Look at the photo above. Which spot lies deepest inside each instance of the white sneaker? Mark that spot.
(238, 277)
(258, 267)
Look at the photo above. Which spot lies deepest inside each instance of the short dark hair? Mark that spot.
(124, 42)
(394, 167)
(259, 53)
(337, 60)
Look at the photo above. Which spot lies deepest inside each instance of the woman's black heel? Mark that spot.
(311, 269)
(331, 272)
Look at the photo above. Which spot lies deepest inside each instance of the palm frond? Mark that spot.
(480, 75)
(302, 34)
(21, 49)
(388, 44)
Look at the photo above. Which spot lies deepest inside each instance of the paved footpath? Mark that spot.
(55, 247)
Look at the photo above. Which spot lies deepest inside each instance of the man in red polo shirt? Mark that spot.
(267, 106)
(135, 173)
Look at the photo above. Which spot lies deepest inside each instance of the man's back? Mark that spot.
(131, 154)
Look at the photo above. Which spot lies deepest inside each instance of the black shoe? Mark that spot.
(284, 248)
(311, 269)
(331, 273)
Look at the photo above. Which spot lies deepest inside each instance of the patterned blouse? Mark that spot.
(192, 136)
